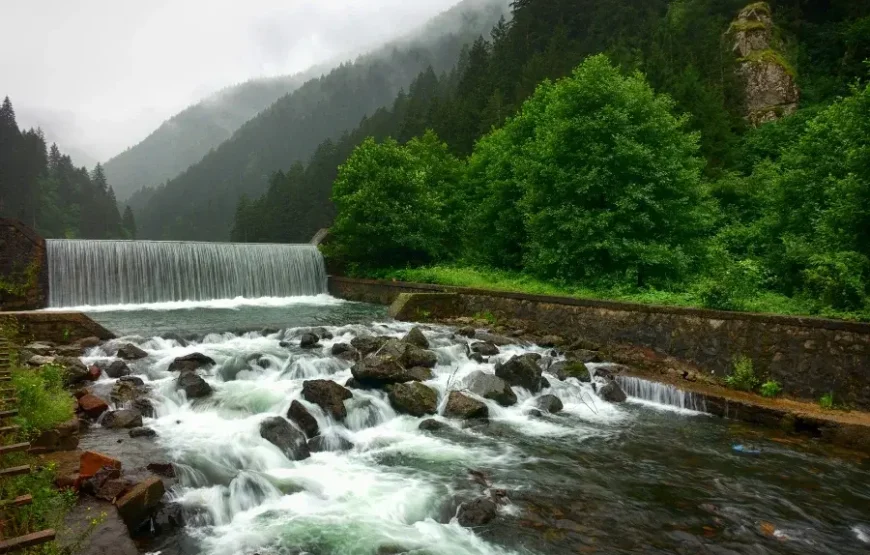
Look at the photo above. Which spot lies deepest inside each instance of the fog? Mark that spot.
(99, 75)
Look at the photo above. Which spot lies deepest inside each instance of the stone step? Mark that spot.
(19, 501)
(14, 448)
(9, 429)
(23, 542)
(15, 471)
(8, 413)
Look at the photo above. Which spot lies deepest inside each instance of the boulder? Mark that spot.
(63, 437)
(328, 395)
(549, 341)
(309, 341)
(607, 370)
(571, 369)
(413, 398)
(466, 331)
(89, 342)
(485, 348)
(93, 483)
(113, 488)
(91, 462)
(132, 380)
(409, 355)
(126, 392)
(431, 425)
(118, 369)
(320, 444)
(549, 403)
(490, 387)
(521, 371)
(94, 373)
(583, 355)
(76, 371)
(131, 352)
(476, 512)
(478, 358)
(143, 432)
(462, 406)
(193, 385)
(92, 405)
(420, 374)
(612, 393)
(299, 415)
(40, 360)
(145, 407)
(138, 504)
(499, 340)
(283, 435)
(40, 349)
(191, 363)
(166, 470)
(368, 344)
(381, 370)
(345, 351)
(415, 337)
(124, 418)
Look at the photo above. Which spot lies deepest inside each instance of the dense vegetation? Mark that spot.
(43, 188)
(634, 174)
(200, 203)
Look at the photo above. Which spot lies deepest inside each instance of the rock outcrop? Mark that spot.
(770, 89)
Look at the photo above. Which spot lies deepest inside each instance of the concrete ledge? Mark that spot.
(57, 327)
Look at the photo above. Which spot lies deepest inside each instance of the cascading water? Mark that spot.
(662, 394)
(92, 273)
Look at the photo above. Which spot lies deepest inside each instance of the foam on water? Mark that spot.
(661, 395)
(216, 304)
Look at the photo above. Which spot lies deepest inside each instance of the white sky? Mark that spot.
(99, 75)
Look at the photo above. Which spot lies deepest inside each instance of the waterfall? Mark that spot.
(84, 272)
(663, 394)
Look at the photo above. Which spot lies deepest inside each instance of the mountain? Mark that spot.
(188, 136)
(199, 204)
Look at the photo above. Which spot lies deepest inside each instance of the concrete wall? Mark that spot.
(23, 267)
(808, 356)
(57, 327)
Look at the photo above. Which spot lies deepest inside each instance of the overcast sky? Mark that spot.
(99, 75)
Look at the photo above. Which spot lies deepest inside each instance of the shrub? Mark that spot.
(827, 401)
(43, 403)
(771, 388)
(743, 375)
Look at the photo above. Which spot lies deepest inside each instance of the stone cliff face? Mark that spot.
(23, 268)
(770, 88)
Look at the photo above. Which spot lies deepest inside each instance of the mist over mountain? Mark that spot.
(199, 204)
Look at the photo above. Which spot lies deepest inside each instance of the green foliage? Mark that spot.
(48, 509)
(827, 401)
(771, 388)
(742, 376)
(487, 316)
(43, 403)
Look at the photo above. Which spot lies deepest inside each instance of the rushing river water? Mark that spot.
(638, 477)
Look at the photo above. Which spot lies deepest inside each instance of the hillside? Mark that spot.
(200, 203)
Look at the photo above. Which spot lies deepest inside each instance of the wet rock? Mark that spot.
(131, 352)
(283, 435)
(478, 358)
(167, 470)
(132, 380)
(420, 374)
(476, 512)
(415, 337)
(413, 398)
(40, 349)
(382, 370)
(193, 385)
(89, 342)
(498, 340)
(40, 360)
(76, 371)
(94, 373)
(264, 363)
(549, 341)
(113, 488)
(92, 405)
(608, 370)
(612, 393)
(432, 425)
(138, 504)
(353, 383)
(93, 483)
(536, 413)
(466, 331)
(81, 392)
(125, 392)
(191, 363)
(549, 403)
(521, 371)
(345, 351)
(571, 369)
(368, 344)
(284, 344)
(490, 387)
(583, 355)
(145, 407)
(464, 407)
(409, 355)
(320, 444)
(117, 369)
(328, 395)
(309, 341)
(545, 383)
(485, 348)
(142, 432)
(124, 418)
(299, 415)
(91, 462)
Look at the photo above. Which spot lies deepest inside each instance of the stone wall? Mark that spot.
(808, 356)
(23, 267)
(57, 327)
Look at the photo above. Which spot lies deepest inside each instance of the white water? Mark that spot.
(94, 273)
(216, 304)
(661, 394)
(248, 497)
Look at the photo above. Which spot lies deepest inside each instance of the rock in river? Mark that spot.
(485, 348)
(413, 398)
(549, 403)
(476, 512)
(131, 352)
(302, 418)
(283, 435)
(191, 363)
(612, 393)
(409, 355)
(368, 344)
(117, 369)
(194, 386)
(309, 341)
(381, 370)
(462, 406)
(415, 337)
(328, 395)
(521, 371)
(124, 418)
(490, 387)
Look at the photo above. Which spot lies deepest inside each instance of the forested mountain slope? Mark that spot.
(200, 203)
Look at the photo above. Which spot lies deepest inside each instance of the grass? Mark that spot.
(43, 403)
(770, 389)
(500, 280)
(742, 377)
(827, 401)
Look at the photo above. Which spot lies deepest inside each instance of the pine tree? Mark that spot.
(10, 164)
(129, 223)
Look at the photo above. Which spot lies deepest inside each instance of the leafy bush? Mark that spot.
(743, 375)
(771, 388)
(827, 401)
(838, 279)
(43, 403)
(734, 284)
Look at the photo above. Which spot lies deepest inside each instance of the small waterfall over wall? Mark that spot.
(83, 272)
(663, 394)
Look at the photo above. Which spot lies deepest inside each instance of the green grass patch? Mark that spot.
(743, 376)
(43, 403)
(770, 389)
